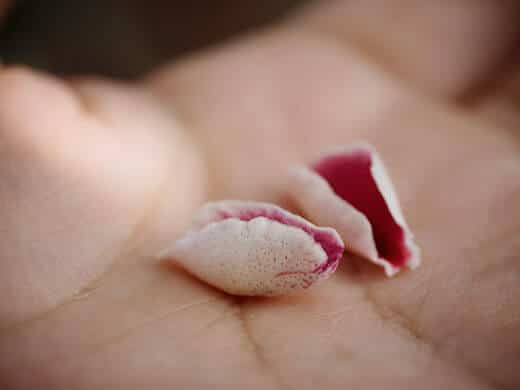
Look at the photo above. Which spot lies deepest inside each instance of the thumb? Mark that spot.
(85, 170)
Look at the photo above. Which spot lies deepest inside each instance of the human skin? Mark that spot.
(98, 177)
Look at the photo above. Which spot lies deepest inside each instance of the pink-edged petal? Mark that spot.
(253, 248)
(351, 191)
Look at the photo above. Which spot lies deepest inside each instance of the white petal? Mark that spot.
(255, 256)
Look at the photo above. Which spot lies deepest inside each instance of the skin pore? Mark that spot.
(98, 176)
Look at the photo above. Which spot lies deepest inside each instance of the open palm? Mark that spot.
(98, 177)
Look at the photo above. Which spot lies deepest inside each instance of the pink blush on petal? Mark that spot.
(351, 191)
(351, 178)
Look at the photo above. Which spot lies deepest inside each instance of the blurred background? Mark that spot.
(122, 38)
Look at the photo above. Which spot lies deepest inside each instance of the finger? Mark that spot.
(78, 189)
(443, 47)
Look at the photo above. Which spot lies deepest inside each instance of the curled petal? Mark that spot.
(351, 191)
(252, 248)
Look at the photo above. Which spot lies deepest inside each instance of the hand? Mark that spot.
(97, 177)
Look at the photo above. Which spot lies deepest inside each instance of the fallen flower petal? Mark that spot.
(253, 248)
(351, 191)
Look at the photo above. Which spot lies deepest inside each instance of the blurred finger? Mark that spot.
(443, 47)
